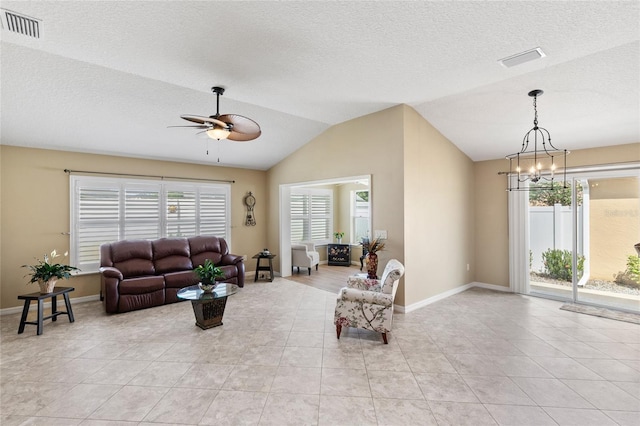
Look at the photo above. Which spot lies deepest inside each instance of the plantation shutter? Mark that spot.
(142, 212)
(320, 216)
(213, 214)
(299, 217)
(110, 209)
(311, 215)
(97, 220)
(181, 213)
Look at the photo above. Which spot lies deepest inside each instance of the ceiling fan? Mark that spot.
(226, 126)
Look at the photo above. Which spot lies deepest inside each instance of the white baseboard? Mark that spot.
(47, 305)
(433, 299)
(449, 293)
(492, 287)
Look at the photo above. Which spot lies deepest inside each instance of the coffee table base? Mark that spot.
(209, 312)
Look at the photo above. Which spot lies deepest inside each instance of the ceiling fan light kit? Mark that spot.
(226, 126)
(538, 167)
(217, 132)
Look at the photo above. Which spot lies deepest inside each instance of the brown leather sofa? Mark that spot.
(138, 274)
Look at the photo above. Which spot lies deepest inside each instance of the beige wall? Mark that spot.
(492, 239)
(35, 208)
(439, 212)
(418, 178)
(372, 145)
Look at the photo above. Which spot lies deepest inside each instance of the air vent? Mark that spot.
(21, 24)
(521, 58)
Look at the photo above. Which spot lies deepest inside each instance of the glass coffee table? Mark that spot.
(208, 307)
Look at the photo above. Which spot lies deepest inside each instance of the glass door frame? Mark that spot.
(519, 243)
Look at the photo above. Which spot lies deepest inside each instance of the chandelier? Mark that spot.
(538, 166)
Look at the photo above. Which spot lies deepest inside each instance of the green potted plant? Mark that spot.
(46, 273)
(207, 273)
(338, 235)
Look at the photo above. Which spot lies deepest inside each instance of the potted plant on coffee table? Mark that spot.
(46, 273)
(207, 273)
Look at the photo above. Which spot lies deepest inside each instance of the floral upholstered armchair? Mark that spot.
(367, 303)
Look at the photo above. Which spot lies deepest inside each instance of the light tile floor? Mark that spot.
(479, 357)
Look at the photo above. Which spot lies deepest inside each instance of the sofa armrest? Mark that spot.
(363, 296)
(110, 272)
(363, 283)
(230, 259)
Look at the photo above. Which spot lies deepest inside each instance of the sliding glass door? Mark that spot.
(610, 263)
(583, 241)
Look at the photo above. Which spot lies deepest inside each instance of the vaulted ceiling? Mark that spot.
(110, 76)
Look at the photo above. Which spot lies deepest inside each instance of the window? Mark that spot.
(311, 215)
(360, 217)
(108, 209)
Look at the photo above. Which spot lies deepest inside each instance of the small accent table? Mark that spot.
(259, 268)
(208, 307)
(57, 291)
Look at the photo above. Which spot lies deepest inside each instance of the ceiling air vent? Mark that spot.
(21, 24)
(522, 57)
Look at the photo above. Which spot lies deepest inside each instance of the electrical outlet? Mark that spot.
(380, 234)
(467, 266)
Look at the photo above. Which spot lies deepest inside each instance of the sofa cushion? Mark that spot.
(180, 279)
(204, 247)
(171, 254)
(141, 285)
(134, 258)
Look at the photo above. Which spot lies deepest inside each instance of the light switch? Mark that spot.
(380, 234)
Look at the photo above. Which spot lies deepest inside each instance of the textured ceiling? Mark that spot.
(109, 77)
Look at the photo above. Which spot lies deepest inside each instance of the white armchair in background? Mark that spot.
(304, 255)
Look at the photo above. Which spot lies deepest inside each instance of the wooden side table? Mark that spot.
(57, 291)
(259, 268)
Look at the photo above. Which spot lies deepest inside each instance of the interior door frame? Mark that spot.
(284, 219)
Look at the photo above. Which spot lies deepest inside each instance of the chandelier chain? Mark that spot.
(535, 112)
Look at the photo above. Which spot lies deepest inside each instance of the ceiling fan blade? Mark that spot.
(202, 120)
(243, 128)
(195, 127)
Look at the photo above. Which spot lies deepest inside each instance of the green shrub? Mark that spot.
(557, 264)
(530, 259)
(633, 268)
(549, 197)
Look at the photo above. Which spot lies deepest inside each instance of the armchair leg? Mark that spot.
(316, 266)
(338, 330)
(384, 337)
(309, 268)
